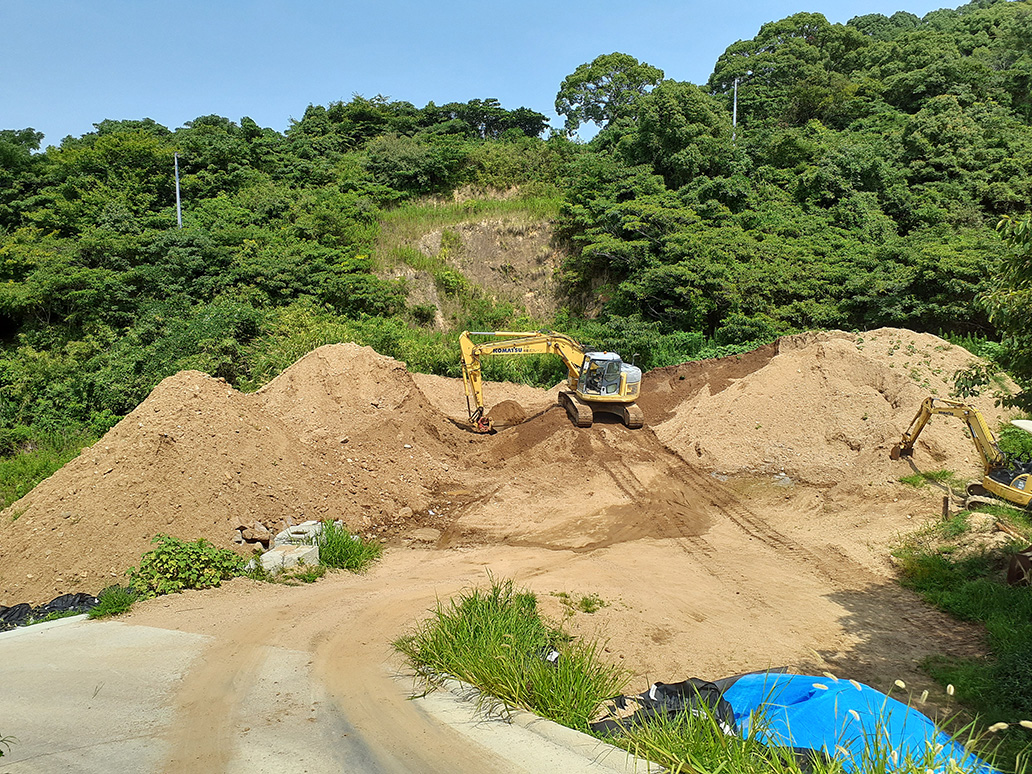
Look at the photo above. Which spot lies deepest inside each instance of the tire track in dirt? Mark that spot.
(342, 624)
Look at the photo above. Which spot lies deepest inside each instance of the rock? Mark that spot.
(254, 536)
(405, 513)
(424, 535)
(306, 532)
(281, 557)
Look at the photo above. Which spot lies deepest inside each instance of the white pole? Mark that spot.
(179, 204)
(734, 116)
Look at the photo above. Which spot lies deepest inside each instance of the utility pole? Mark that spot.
(179, 204)
(734, 117)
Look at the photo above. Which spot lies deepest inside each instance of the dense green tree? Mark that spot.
(1010, 300)
(604, 90)
(682, 133)
(17, 171)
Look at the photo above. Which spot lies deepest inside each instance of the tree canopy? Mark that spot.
(604, 89)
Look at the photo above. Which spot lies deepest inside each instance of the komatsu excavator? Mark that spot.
(597, 381)
(1007, 478)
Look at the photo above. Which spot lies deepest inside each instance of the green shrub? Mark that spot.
(114, 600)
(340, 549)
(176, 565)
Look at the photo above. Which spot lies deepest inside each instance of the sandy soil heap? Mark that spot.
(347, 433)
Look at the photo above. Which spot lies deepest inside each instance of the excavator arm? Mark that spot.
(982, 436)
(1009, 480)
(514, 343)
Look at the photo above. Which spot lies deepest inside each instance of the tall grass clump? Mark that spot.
(497, 641)
(695, 742)
(113, 600)
(340, 549)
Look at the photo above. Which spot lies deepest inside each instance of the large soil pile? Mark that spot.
(821, 408)
(344, 433)
(349, 434)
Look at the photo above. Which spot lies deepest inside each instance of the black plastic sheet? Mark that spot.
(23, 613)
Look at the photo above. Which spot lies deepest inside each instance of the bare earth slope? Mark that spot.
(745, 526)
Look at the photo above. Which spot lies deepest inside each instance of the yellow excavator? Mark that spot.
(1007, 478)
(597, 381)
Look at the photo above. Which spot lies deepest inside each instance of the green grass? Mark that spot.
(970, 585)
(114, 600)
(496, 640)
(57, 614)
(35, 461)
(340, 549)
(411, 221)
(946, 478)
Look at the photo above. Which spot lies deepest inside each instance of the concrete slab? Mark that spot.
(88, 696)
(529, 743)
(94, 697)
(284, 556)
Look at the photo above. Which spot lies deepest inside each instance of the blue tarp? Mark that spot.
(843, 720)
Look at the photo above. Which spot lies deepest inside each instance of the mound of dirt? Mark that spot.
(343, 433)
(506, 414)
(347, 433)
(822, 408)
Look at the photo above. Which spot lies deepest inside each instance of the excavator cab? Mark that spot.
(600, 374)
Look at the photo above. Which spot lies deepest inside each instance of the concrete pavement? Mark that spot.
(97, 697)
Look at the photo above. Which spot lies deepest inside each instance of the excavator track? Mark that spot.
(633, 416)
(580, 412)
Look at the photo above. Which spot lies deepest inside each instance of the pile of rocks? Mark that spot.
(297, 544)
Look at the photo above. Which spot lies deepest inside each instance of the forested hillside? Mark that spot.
(861, 187)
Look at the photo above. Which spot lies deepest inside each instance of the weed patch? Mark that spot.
(497, 641)
(53, 616)
(946, 478)
(588, 603)
(340, 549)
(302, 573)
(114, 600)
(176, 565)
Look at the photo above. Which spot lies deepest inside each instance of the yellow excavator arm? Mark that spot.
(1008, 479)
(597, 381)
(983, 437)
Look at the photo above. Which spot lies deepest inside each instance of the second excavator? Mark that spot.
(1007, 478)
(598, 381)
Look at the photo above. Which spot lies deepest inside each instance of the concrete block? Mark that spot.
(305, 532)
(281, 557)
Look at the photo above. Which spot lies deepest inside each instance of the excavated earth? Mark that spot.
(748, 525)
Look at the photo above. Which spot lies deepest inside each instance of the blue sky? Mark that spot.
(67, 64)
